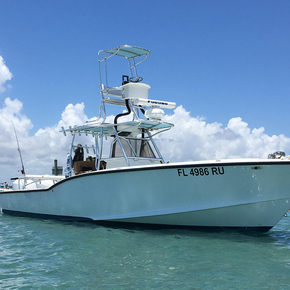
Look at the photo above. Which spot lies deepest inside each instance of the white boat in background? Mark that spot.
(132, 183)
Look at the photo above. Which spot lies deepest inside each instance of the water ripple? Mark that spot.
(40, 254)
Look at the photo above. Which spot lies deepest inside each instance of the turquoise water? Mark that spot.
(42, 254)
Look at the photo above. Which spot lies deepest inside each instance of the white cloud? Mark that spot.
(5, 74)
(192, 138)
(39, 150)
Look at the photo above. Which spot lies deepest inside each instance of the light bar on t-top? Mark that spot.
(153, 103)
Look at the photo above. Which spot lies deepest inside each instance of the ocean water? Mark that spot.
(45, 254)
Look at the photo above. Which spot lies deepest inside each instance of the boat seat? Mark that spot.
(84, 166)
(115, 92)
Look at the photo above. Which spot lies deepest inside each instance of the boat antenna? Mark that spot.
(18, 148)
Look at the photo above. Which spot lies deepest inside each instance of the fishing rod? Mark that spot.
(18, 148)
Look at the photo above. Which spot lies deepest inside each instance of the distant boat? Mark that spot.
(122, 176)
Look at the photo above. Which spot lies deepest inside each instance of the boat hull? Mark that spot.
(252, 194)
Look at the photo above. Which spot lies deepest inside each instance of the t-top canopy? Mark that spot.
(108, 129)
(127, 51)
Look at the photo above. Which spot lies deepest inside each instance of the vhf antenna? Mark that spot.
(18, 148)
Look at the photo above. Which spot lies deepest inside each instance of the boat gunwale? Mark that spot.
(190, 164)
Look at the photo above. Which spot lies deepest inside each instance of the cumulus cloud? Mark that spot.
(39, 150)
(5, 74)
(192, 138)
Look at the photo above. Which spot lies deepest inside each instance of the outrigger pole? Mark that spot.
(18, 148)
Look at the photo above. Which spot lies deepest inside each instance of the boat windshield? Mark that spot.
(133, 147)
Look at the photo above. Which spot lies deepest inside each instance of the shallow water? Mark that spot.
(44, 254)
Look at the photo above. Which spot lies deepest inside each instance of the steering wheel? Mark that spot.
(136, 79)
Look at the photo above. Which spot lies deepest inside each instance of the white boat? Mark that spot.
(133, 183)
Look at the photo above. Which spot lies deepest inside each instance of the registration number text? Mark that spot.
(200, 171)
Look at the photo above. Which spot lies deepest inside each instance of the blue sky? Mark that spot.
(219, 59)
(226, 62)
